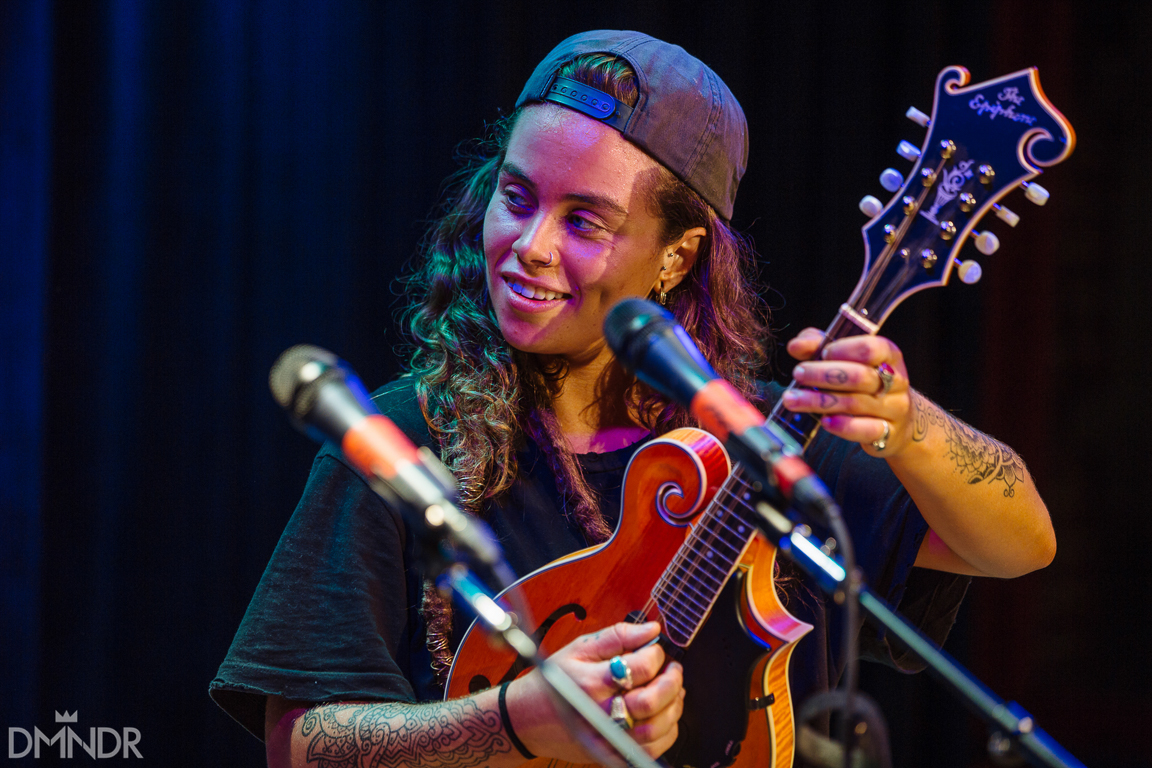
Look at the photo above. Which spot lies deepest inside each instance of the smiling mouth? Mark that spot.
(536, 294)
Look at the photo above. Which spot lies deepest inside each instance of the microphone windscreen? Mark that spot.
(631, 321)
(296, 367)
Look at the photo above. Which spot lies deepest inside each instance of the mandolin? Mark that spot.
(686, 551)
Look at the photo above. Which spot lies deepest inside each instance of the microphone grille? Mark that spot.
(297, 367)
(630, 321)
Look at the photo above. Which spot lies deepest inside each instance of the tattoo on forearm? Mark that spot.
(978, 457)
(455, 733)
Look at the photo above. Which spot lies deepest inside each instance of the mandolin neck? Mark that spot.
(694, 579)
(802, 427)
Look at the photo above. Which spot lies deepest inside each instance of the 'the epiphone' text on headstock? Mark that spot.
(983, 141)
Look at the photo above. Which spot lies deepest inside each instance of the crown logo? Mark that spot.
(67, 717)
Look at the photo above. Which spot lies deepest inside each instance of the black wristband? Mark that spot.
(508, 724)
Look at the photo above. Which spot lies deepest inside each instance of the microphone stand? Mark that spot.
(1013, 729)
(327, 400)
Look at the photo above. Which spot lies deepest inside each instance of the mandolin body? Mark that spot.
(738, 709)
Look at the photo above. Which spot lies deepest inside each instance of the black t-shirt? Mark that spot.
(336, 616)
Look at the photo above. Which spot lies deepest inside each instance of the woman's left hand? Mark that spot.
(860, 387)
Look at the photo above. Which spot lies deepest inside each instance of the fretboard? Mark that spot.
(694, 579)
(692, 582)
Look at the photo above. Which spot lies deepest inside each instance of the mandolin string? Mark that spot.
(864, 296)
(670, 591)
(893, 287)
(676, 581)
(700, 564)
(876, 272)
(713, 533)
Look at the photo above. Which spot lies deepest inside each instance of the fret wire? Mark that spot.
(687, 593)
(686, 624)
(739, 506)
(718, 525)
(687, 603)
(698, 550)
(686, 613)
(739, 501)
(744, 537)
(710, 581)
(686, 587)
(725, 549)
(680, 581)
(692, 582)
(714, 566)
(685, 565)
(717, 567)
(685, 583)
(678, 623)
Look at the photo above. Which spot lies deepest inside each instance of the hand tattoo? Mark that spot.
(978, 457)
(836, 376)
(455, 733)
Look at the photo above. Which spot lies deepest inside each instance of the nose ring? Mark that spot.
(551, 258)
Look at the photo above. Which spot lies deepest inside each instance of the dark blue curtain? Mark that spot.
(25, 116)
(188, 188)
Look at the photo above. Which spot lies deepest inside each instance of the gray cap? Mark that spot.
(685, 116)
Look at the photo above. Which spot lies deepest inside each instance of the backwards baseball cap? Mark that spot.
(685, 116)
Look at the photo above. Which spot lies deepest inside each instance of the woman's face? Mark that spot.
(568, 232)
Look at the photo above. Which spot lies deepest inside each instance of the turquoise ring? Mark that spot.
(621, 673)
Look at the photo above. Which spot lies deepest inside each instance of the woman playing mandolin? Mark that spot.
(580, 201)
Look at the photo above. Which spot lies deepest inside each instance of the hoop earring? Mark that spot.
(663, 297)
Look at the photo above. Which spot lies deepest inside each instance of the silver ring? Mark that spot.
(620, 714)
(551, 258)
(886, 374)
(621, 673)
(882, 443)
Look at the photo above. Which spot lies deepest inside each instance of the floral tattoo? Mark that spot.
(978, 457)
(455, 734)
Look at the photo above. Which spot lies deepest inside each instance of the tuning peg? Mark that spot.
(870, 206)
(1035, 193)
(1006, 215)
(909, 152)
(917, 116)
(969, 271)
(891, 179)
(987, 243)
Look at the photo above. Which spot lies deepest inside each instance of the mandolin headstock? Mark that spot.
(983, 141)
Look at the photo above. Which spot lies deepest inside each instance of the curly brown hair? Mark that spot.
(481, 397)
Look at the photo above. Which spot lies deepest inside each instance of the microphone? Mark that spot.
(650, 343)
(327, 401)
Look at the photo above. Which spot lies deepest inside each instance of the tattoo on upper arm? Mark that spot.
(976, 455)
(455, 733)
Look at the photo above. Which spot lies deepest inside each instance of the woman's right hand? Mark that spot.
(655, 701)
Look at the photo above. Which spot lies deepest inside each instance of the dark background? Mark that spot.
(188, 188)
